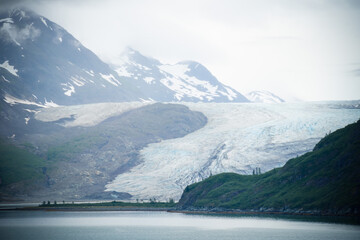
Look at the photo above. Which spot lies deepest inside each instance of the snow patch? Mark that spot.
(149, 80)
(5, 79)
(230, 94)
(50, 104)
(60, 39)
(175, 70)
(78, 80)
(263, 97)
(44, 21)
(68, 89)
(111, 79)
(91, 72)
(149, 100)
(11, 69)
(185, 85)
(13, 100)
(31, 111)
(27, 120)
(122, 72)
(6, 20)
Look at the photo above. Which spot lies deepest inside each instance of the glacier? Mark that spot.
(237, 138)
(86, 115)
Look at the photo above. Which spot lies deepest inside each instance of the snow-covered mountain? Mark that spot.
(42, 65)
(41, 62)
(186, 81)
(263, 97)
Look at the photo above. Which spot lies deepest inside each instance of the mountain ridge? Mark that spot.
(184, 81)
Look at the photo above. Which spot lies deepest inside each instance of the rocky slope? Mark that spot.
(77, 162)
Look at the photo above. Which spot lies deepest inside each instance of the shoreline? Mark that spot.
(174, 210)
(316, 217)
(88, 209)
(264, 213)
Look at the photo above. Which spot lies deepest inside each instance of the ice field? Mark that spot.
(237, 138)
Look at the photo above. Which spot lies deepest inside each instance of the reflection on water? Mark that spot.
(162, 225)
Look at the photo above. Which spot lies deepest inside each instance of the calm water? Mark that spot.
(162, 225)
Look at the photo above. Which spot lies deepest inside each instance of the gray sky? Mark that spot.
(309, 49)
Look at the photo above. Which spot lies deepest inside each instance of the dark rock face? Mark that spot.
(82, 160)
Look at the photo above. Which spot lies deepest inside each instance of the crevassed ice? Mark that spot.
(238, 138)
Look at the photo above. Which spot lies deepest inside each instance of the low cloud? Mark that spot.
(356, 72)
(13, 34)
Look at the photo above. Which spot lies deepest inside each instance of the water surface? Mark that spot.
(162, 225)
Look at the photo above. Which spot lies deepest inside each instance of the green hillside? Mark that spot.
(326, 179)
(18, 164)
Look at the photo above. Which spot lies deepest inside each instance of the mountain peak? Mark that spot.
(130, 55)
(263, 96)
(184, 81)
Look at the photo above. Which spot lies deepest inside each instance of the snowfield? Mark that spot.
(238, 138)
(86, 115)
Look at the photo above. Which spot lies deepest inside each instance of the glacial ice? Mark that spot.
(237, 138)
(86, 115)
